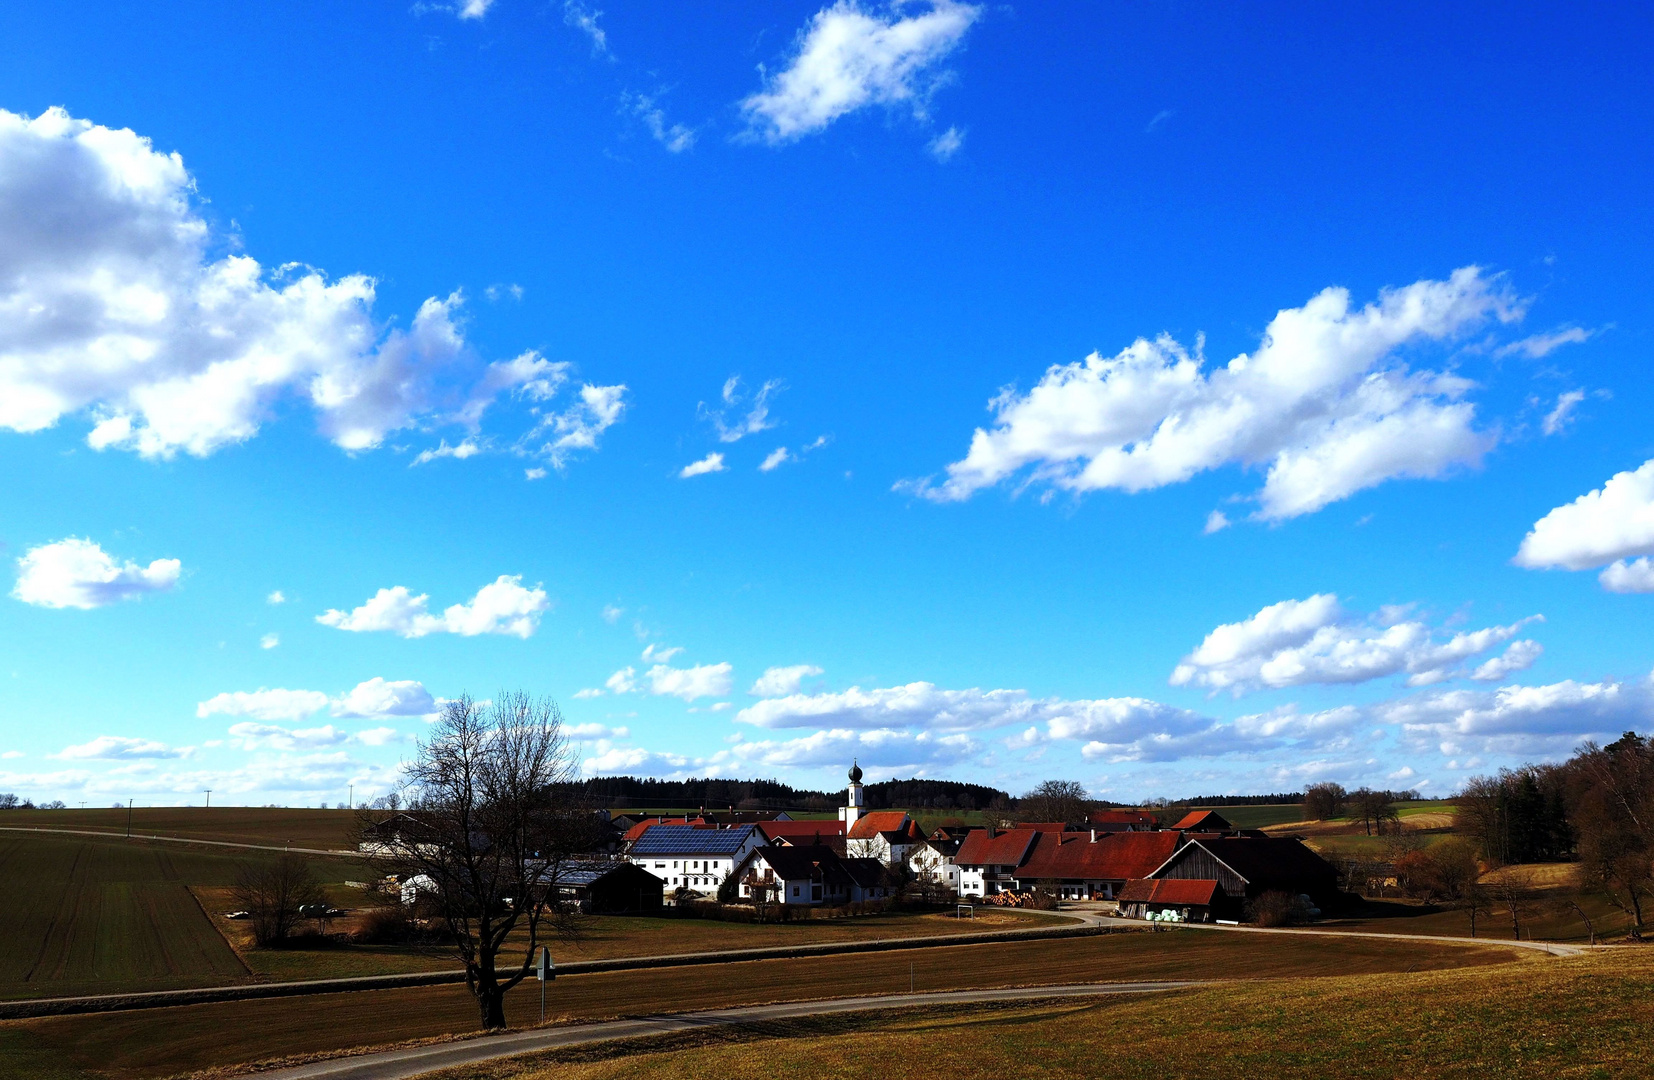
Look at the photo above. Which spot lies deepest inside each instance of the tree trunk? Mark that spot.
(491, 1004)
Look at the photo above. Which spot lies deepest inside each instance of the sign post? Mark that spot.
(545, 971)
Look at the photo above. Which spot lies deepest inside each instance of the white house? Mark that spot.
(808, 875)
(933, 862)
(693, 857)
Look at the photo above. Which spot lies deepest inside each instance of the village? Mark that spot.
(1199, 869)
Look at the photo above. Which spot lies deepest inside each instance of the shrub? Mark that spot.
(272, 893)
(1277, 909)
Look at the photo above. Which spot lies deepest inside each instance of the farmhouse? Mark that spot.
(934, 861)
(1246, 867)
(1087, 866)
(810, 876)
(1203, 821)
(814, 833)
(885, 835)
(390, 835)
(988, 860)
(691, 856)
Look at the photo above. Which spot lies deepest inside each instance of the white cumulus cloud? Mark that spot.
(263, 704)
(1613, 524)
(115, 307)
(1323, 402)
(380, 698)
(692, 683)
(1628, 576)
(503, 607)
(79, 574)
(1300, 642)
(850, 57)
(782, 681)
(712, 463)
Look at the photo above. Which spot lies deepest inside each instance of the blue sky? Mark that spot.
(1171, 399)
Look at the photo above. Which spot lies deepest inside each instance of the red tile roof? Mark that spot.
(1110, 857)
(1121, 817)
(999, 849)
(875, 822)
(796, 831)
(1169, 891)
(1203, 821)
(1043, 826)
(1136, 854)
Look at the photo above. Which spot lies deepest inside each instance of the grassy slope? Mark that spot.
(1585, 1017)
(160, 1042)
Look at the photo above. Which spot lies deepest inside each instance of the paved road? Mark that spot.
(157, 999)
(174, 840)
(399, 1064)
(1551, 947)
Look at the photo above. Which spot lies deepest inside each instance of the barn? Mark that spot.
(1246, 867)
(1193, 900)
(608, 888)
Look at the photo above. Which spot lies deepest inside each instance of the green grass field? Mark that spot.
(80, 915)
(163, 1042)
(1584, 1017)
(84, 917)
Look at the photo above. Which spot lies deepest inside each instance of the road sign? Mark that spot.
(544, 970)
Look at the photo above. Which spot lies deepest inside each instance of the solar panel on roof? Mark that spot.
(685, 839)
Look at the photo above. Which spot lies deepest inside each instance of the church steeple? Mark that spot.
(853, 801)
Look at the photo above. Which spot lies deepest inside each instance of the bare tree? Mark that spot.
(491, 821)
(1612, 809)
(272, 892)
(1324, 801)
(1376, 809)
(1055, 800)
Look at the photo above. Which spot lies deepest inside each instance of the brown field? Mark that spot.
(1582, 1017)
(602, 937)
(161, 1042)
(87, 915)
(328, 830)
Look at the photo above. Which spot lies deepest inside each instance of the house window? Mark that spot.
(795, 890)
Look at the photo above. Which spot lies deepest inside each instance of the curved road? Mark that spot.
(399, 1064)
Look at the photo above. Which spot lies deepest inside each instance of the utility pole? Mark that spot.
(129, 819)
(209, 797)
(351, 801)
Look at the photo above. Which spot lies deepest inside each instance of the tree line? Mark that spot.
(1596, 808)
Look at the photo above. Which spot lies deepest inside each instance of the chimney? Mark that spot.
(1093, 836)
